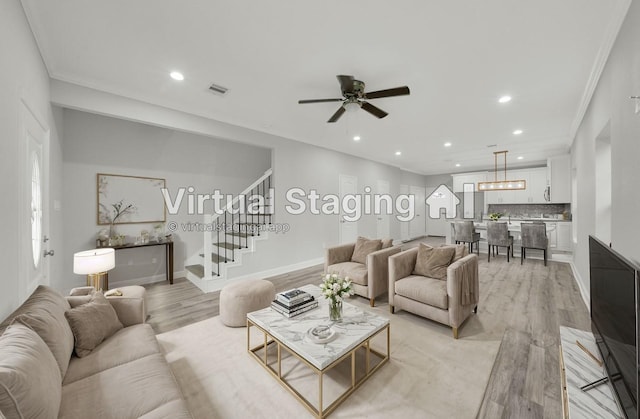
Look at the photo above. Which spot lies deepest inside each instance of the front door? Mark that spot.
(34, 218)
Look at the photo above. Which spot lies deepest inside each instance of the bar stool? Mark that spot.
(465, 232)
(534, 236)
(498, 236)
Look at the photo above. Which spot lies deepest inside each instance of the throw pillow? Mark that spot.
(461, 251)
(386, 243)
(363, 247)
(433, 262)
(92, 323)
(30, 381)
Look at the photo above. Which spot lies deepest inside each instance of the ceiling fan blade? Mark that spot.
(396, 91)
(346, 83)
(373, 110)
(319, 100)
(337, 115)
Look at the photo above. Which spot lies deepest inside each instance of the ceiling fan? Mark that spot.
(354, 97)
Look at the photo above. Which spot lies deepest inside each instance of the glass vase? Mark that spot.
(335, 311)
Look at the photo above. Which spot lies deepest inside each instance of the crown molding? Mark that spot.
(602, 57)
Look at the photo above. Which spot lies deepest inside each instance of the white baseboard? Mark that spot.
(281, 270)
(145, 280)
(216, 284)
(583, 292)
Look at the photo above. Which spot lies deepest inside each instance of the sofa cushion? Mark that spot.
(363, 247)
(130, 390)
(175, 409)
(48, 306)
(29, 375)
(54, 331)
(124, 346)
(425, 290)
(433, 261)
(357, 272)
(92, 323)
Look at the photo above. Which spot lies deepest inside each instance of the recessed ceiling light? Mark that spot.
(520, 157)
(505, 99)
(457, 164)
(517, 132)
(176, 75)
(356, 138)
(447, 144)
(398, 153)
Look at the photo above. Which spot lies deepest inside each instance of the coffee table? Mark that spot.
(354, 333)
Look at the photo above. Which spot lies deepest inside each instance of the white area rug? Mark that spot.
(430, 375)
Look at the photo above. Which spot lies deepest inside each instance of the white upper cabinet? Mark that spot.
(534, 193)
(460, 179)
(560, 179)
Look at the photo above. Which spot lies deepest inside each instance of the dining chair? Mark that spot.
(498, 236)
(465, 232)
(534, 236)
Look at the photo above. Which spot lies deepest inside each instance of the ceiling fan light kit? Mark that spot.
(501, 185)
(354, 97)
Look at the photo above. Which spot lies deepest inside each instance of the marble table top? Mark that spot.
(357, 325)
(598, 402)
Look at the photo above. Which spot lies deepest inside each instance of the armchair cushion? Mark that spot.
(387, 243)
(357, 272)
(363, 247)
(461, 251)
(425, 290)
(433, 261)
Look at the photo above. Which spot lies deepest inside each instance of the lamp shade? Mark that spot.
(94, 261)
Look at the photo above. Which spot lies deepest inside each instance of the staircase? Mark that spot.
(232, 233)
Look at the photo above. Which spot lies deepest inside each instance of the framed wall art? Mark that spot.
(130, 199)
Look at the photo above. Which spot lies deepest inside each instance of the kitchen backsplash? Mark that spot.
(530, 210)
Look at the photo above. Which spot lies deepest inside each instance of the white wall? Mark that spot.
(23, 76)
(98, 144)
(611, 104)
(295, 164)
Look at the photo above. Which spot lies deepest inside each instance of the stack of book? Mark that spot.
(293, 302)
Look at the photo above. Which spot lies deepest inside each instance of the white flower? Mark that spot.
(336, 287)
(327, 277)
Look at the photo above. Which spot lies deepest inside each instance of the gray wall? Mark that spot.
(23, 77)
(98, 144)
(610, 104)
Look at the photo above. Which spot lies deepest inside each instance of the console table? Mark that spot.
(168, 252)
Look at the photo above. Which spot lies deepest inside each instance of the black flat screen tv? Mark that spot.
(614, 321)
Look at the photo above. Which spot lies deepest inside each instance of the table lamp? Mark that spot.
(95, 264)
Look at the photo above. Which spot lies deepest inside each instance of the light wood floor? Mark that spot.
(521, 306)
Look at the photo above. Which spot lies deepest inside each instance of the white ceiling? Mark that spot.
(457, 57)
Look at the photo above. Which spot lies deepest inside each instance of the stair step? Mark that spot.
(198, 270)
(228, 246)
(238, 234)
(216, 257)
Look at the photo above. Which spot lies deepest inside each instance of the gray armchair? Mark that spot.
(498, 236)
(534, 236)
(465, 232)
(370, 280)
(449, 301)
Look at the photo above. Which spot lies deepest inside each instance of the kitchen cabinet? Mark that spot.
(534, 193)
(559, 171)
(564, 240)
(460, 179)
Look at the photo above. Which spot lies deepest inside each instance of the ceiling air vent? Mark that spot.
(219, 90)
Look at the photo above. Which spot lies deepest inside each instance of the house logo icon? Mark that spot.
(442, 197)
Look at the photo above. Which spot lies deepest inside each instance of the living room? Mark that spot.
(96, 127)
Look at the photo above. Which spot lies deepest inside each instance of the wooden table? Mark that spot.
(168, 252)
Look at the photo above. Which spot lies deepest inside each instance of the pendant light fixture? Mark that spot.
(501, 185)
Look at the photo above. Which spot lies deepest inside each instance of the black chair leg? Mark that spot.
(521, 255)
(545, 257)
(489, 253)
(507, 254)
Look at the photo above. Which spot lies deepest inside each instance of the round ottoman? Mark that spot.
(242, 297)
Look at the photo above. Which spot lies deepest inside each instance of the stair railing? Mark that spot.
(222, 226)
